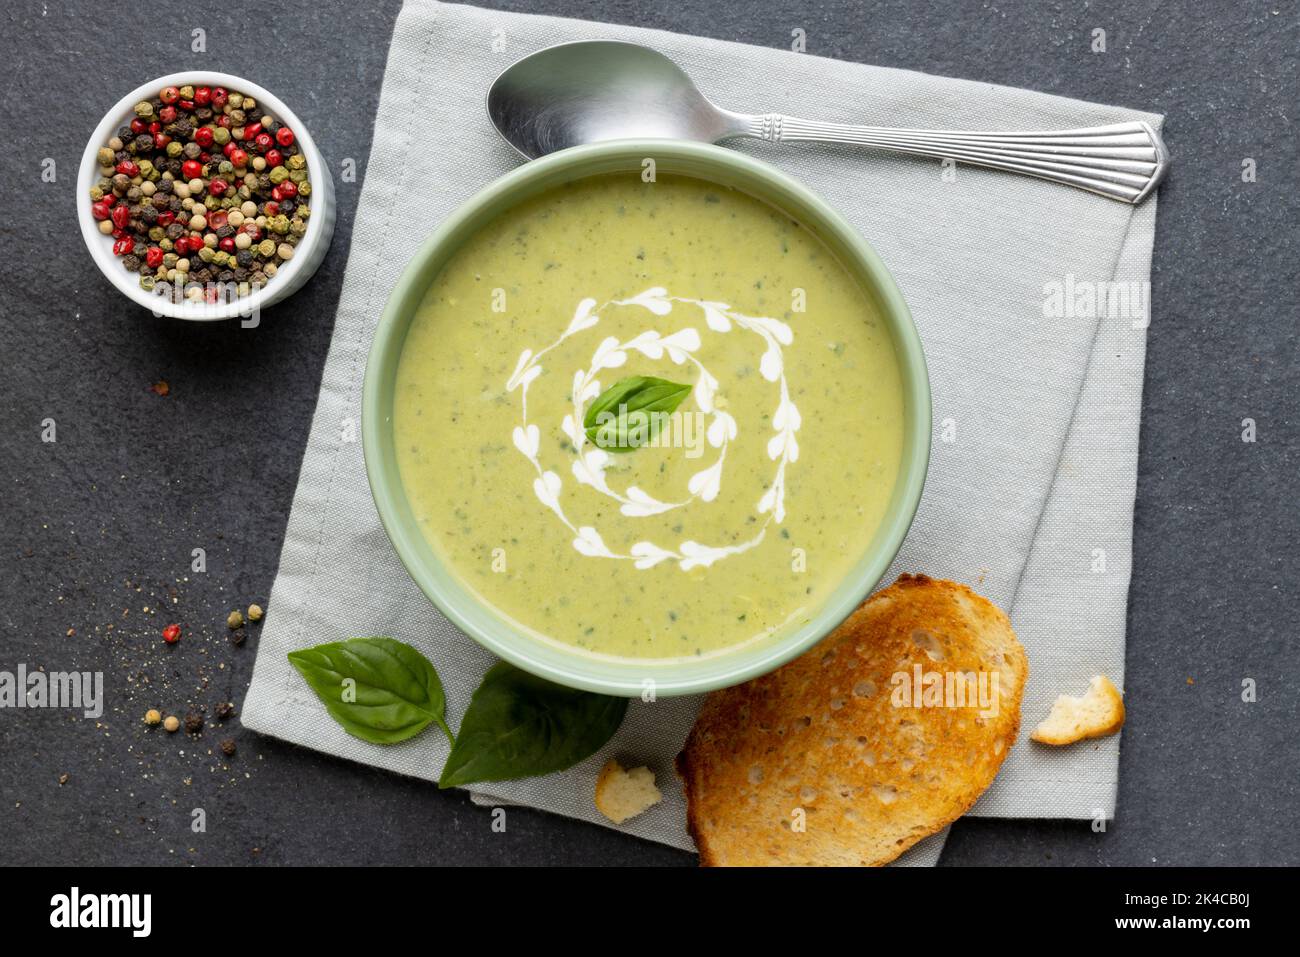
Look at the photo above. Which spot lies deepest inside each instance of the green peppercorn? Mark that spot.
(278, 175)
(205, 253)
(147, 283)
(304, 189)
(96, 193)
(278, 224)
(174, 148)
(266, 248)
(297, 227)
(187, 93)
(297, 161)
(105, 156)
(157, 234)
(298, 175)
(143, 108)
(221, 136)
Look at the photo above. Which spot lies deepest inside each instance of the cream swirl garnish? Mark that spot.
(590, 462)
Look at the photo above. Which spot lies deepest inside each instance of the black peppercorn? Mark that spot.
(194, 722)
(225, 710)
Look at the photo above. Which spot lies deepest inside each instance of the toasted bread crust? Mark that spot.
(828, 737)
(1098, 714)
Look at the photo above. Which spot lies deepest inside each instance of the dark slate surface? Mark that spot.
(100, 525)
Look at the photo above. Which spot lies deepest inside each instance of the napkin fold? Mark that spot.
(1037, 394)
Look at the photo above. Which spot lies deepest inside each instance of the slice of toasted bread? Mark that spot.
(833, 760)
(1098, 713)
(624, 794)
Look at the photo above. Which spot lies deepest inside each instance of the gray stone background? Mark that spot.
(100, 526)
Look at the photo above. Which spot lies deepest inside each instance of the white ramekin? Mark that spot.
(290, 277)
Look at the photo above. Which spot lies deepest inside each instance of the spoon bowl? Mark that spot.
(590, 91)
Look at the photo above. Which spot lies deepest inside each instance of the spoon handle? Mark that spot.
(1124, 161)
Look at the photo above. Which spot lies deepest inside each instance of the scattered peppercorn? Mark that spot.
(237, 637)
(254, 612)
(152, 717)
(170, 178)
(172, 723)
(235, 620)
(172, 634)
(225, 710)
(228, 747)
(193, 723)
(63, 778)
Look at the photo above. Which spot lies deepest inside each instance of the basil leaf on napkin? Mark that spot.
(628, 414)
(519, 725)
(379, 689)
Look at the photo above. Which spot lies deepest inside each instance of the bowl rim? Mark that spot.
(562, 663)
(101, 252)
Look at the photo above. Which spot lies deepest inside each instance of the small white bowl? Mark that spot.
(289, 278)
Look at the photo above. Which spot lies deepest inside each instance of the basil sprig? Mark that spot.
(379, 689)
(630, 413)
(519, 725)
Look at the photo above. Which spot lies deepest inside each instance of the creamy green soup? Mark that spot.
(747, 504)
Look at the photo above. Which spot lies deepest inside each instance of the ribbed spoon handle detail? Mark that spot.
(1125, 161)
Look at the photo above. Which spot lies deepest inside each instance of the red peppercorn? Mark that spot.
(166, 218)
(99, 210)
(218, 187)
(263, 142)
(219, 97)
(180, 245)
(250, 227)
(288, 189)
(273, 158)
(109, 200)
(155, 127)
(138, 126)
(191, 169)
(169, 94)
(204, 157)
(186, 105)
(153, 258)
(227, 244)
(272, 208)
(167, 114)
(123, 246)
(251, 130)
(284, 136)
(203, 96)
(172, 633)
(217, 218)
(237, 156)
(121, 216)
(203, 136)
(161, 140)
(119, 233)
(223, 120)
(128, 168)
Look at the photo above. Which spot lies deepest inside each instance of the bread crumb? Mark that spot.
(1100, 712)
(621, 794)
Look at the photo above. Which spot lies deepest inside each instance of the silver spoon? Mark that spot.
(594, 90)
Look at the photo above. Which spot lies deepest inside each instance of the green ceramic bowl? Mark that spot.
(571, 666)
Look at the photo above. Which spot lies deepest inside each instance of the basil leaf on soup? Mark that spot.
(631, 412)
(519, 725)
(379, 689)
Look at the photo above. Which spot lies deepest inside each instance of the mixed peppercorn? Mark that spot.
(203, 186)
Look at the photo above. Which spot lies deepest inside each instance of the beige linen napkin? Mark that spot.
(1030, 491)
